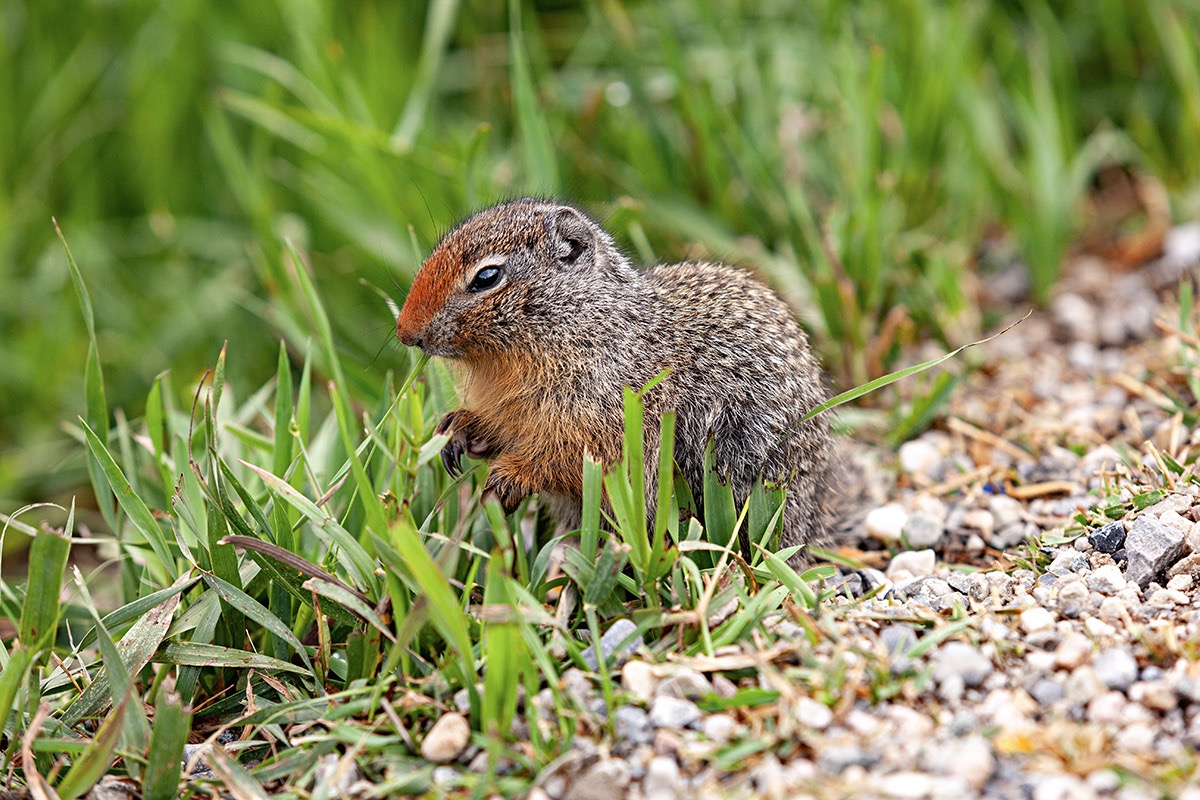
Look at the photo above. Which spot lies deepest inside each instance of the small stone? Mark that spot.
(1104, 781)
(917, 563)
(662, 780)
(617, 633)
(578, 686)
(1059, 787)
(1116, 668)
(195, 761)
(899, 639)
(906, 785)
(447, 739)
(1176, 520)
(1113, 610)
(1173, 502)
(1167, 598)
(673, 712)
(1181, 583)
(1109, 538)
(961, 660)
(813, 714)
(969, 758)
(1082, 686)
(1047, 692)
(1005, 510)
(723, 687)
(1106, 708)
(769, 779)
(1191, 543)
(719, 727)
(637, 678)
(632, 724)
(980, 520)
(1098, 628)
(1106, 580)
(685, 682)
(605, 780)
(1151, 547)
(1155, 694)
(1036, 619)
(1074, 650)
(1066, 562)
(1073, 598)
(919, 457)
(331, 776)
(886, 523)
(923, 531)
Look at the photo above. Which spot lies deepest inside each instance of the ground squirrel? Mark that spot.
(545, 323)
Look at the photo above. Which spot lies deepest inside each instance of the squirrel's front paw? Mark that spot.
(505, 490)
(464, 440)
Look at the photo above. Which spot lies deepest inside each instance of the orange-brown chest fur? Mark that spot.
(526, 420)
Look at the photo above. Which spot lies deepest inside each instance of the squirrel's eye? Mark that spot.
(485, 279)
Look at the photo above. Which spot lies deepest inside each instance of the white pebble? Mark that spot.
(917, 563)
(1036, 619)
(813, 713)
(662, 779)
(447, 739)
(1106, 580)
(719, 727)
(886, 523)
(637, 677)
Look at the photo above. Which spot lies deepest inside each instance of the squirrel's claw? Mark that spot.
(506, 491)
(452, 457)
(464, 441)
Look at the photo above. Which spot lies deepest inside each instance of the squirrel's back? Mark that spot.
(548, 322)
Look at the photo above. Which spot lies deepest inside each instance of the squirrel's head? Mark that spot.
(506, 276)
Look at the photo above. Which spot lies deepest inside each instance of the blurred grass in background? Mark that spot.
(857, 154)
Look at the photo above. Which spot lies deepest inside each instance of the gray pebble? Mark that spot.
(923, 531)
(673, 712)
(1151, 547)
(1109, 538)
(684, 682)
(605, 780)
(961, 660)
(1047, 691)
(899, 639)
(616, 633)
(632, 724)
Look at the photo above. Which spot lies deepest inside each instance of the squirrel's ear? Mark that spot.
(572, 239)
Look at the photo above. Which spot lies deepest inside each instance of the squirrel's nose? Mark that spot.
(408, 336)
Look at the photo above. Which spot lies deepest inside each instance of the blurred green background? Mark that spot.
(856, 154)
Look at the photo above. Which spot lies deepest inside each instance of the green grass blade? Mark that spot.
(879, 383)
(47, 566)
(248, 606)
(196, 654)
(537, 146)
(172, 723)
(357, 561)
(97, 757)
(593, 491)
(133, 652)
(440, 17)
(131, 504)
(372, 507)
(282, 451)
(12, 678)
(448, 617)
